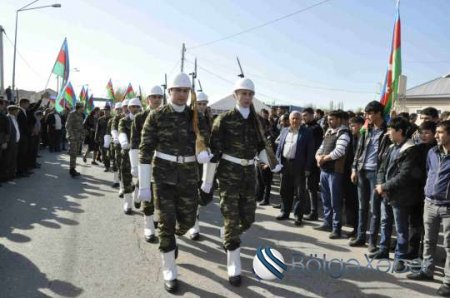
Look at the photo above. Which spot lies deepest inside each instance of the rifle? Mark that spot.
(259, 129)
(165, 88)
(199, 140)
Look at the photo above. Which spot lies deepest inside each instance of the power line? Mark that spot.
(21, 57)
(259, 26)
(292, 83)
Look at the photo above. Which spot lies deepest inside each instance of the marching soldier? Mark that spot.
(117, 148)
(205, 123)
(134, 106)
(236, 142)
(100, 133)
(167, 151)
(75, 135)
(154, 102)
(112, 148)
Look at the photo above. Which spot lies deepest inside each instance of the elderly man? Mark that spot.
(296, 152)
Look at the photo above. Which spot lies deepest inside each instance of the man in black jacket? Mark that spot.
(398, 184)
(371, 151)
(314, 176)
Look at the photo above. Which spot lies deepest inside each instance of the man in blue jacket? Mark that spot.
(437, 208)
(296, 153)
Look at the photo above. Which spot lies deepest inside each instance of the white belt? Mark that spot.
(240, 161)
(173, 158)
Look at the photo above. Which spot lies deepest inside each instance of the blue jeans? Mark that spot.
(400, 215)
(331, 194)
(367, 181)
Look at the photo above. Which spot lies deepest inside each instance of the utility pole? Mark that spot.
(183, 50)
(2, 63)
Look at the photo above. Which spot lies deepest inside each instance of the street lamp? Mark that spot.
(26, 7)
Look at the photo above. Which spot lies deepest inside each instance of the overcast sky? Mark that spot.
(335, 51)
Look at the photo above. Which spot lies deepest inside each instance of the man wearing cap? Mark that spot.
(75, 135)
(167, 152)
(236, 142)
(154, 100)
(134, 107)
(115, 137)
(110, 142)
(100, 133)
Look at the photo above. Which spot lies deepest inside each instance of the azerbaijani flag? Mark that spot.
(83, 95)
(89, 105)
(129, 93)
(389, 94)
(110, 90)
(61, 67)
(66, 98)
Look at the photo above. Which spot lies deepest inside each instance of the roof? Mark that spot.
(439, 87)
(228, 102)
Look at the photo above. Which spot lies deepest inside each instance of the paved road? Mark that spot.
(64, 237)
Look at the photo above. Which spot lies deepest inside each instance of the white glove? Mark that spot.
(145, 194)
(134, 171)
(204, 157)
(115, 136)
(123, 140)
(134, 161)
(145, 175)
(277, 168)
(106, 141)
(206, 187)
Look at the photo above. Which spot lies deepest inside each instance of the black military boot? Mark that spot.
(73, 172)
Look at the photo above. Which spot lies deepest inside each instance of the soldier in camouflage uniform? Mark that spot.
(134, 107)
(112, 145)
(117, 148)
(100, 133)
(168, 150)
(204, 123)
(236, 142)
(75, 135)
(153, 103)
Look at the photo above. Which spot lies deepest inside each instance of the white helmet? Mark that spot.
(125, 102)
(156, 90)
(201, 96)
(181, 80)
(134, 102)
(244, 84)
(118, 105)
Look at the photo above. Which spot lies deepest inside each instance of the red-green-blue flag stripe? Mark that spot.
(390, 87)
(110, 90)
(129, 93)
(66, 98)
(62, 66)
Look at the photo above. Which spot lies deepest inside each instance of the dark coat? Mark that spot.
(401, 177)
(304, 154)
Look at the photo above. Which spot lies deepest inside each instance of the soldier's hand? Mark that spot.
(134, 171)
(204, 157)
(206, 187)
(145, 194)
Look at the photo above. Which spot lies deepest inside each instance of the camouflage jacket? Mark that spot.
(109, 125)
(171, 133)
(101, 129)
(233, 135)
(136, 128)
(115, 123)
(74, 126)
(125, 126)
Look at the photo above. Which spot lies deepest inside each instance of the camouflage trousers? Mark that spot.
(125, 171)
(238, 207)
(112, 157)
(105, 155)
(118, 158)
(177, 209)
(74, 148)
